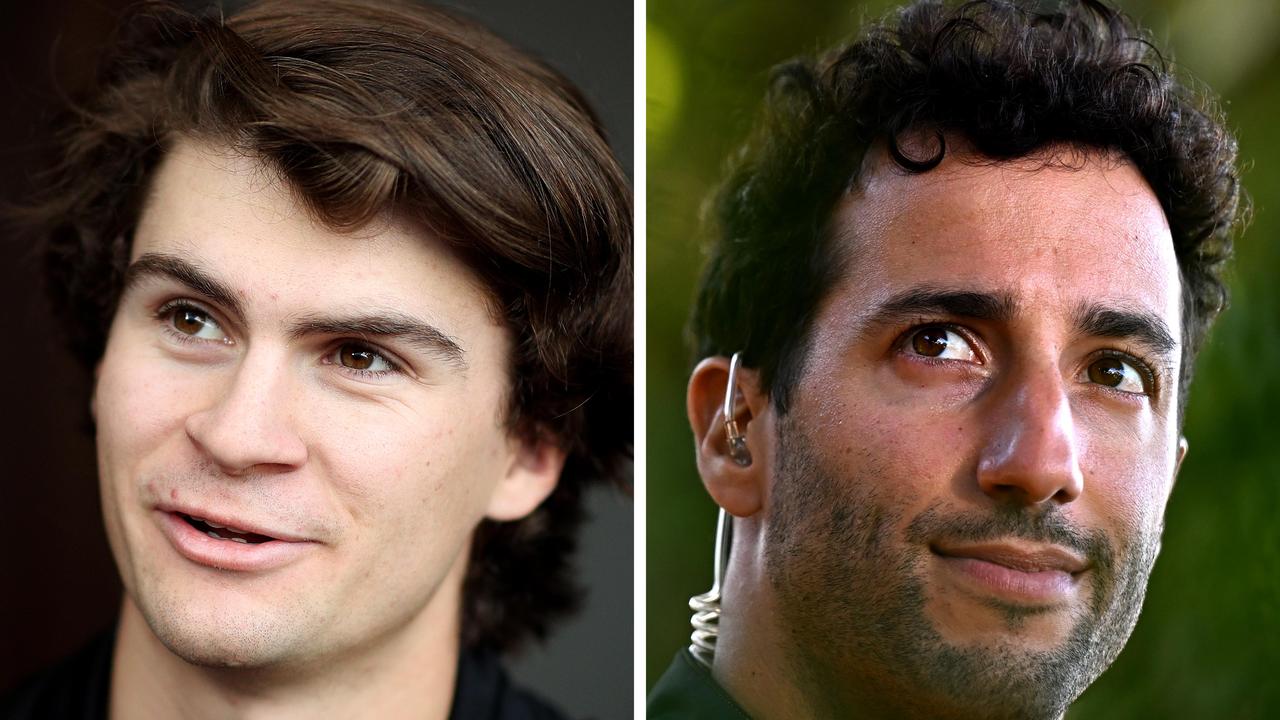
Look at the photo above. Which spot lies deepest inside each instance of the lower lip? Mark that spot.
(1040, 587)
(211, 552)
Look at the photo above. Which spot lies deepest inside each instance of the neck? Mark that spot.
(410, 672)
(751, 662)
(762, 664)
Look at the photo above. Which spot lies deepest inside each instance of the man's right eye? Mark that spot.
(193, 322)
(938, 341)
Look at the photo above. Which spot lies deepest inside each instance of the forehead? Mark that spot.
(1055, 232)
(233, 216)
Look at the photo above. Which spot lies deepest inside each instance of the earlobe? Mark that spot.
(1182, 454)
(731, 460)
(531, 477)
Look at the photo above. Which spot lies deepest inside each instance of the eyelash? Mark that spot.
(164, 315)
(1126, 354)
(394, 367)
(1150, 378)
(900, 344)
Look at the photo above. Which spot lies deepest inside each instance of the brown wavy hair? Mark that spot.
(1006, 77)
(366, 108)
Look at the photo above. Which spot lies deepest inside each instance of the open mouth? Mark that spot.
(223, 532)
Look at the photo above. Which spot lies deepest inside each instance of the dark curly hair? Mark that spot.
(366, 108)
(1005, 77)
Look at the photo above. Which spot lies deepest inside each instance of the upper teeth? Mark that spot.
(213, 534)
(211, 523)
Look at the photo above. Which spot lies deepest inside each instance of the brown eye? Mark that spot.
(188, 321)
(936, 341)
(1107, 371)
(930, 342)
(1114, 372)
(359, 357)
(356, 358)
(195, 322)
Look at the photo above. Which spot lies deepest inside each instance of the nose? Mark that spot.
(1032, 453)
(247, 426)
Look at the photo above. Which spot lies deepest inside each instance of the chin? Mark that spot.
(224, 647)
(207, 633)
(1007, 626)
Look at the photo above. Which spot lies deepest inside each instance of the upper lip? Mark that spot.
(1018, 556)
(233, 522)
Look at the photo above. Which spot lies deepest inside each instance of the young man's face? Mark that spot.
(969, 487)
(341, 393)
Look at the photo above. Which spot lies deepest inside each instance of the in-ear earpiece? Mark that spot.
(706, 607)
(737, 441)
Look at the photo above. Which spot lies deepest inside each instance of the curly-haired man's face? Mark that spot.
(336, 401)
(966, 495)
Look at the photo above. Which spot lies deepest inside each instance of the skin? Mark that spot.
(242, 414)
(838, 600)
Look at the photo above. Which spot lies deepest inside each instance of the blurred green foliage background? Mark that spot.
(1208, 643)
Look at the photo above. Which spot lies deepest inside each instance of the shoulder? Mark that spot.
(75, 688)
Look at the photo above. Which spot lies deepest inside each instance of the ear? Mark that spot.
(1182, 455)
(531, 476)
(740, 490)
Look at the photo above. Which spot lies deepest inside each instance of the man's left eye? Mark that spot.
(1115, 373)
(361, 358)
(936, 341)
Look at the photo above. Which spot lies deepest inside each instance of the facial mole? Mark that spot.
(173, 494)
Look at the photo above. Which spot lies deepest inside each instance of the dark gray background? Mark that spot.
(58, 584)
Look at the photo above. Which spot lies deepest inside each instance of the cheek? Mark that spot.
(412, 485)
(1129, 487)
(908, 456)
(138, 413)
(404, 467)
(1128, 463)
(138, 406)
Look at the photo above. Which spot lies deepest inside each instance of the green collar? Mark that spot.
(687, 691)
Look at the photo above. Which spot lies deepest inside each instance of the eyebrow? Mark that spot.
(388, 324)
(1092, 319)
(383, 324)
(162, 266)
(934, 300)
(1143, 327)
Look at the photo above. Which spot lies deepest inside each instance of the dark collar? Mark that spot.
(687, 690)
(484, 692)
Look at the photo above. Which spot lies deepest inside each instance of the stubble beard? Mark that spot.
(852, 602)
(220, 638)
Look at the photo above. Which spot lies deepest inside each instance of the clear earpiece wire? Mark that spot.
(706, 607)
(737, 442)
